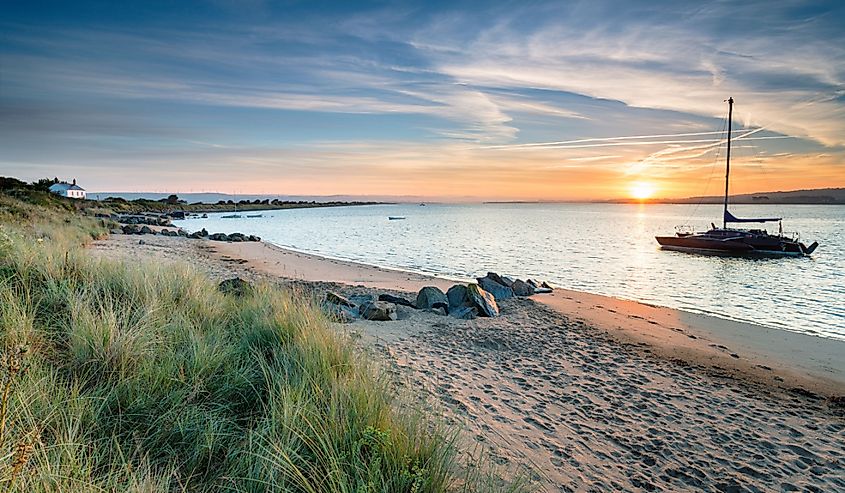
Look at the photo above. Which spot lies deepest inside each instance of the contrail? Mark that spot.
(611, 141)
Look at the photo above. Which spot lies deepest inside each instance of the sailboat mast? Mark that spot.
(728, 163)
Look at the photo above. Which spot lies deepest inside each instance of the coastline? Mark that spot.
(761, 354)
(558, 393)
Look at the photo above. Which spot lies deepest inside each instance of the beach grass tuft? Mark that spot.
(123, 376)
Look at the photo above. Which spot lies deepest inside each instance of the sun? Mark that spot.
(641, 190)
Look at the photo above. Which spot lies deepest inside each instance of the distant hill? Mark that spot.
(817, 196)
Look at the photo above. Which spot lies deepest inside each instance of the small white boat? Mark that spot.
(255, 215)
(231, 216)
(395, 218)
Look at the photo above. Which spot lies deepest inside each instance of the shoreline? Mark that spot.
(558, 393)
(772, 357)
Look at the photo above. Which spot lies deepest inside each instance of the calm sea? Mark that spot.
(599, 248)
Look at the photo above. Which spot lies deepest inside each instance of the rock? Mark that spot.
(195, 235)
(430, 295)
(533, 283)
(235, 287)
(142, 242)
(338, 299)
(203, 232)
(253, 238)
(499, 291)
(439, 310)
(218, 237)
(483, 301)
(546, 285)
(464, 312)
(457, 296)
(181, 232)
(145, 230)
(378, 310)
(542, 290)
(360, 299)
(496, 278)
(236, 238)
(396, 300)
(522, 288)
(116, 231)
(507, 281)
(342, 314)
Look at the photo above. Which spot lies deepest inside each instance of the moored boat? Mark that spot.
(736, 241)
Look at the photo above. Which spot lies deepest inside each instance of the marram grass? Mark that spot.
(137, 377)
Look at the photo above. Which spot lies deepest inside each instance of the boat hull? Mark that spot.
(767, 246)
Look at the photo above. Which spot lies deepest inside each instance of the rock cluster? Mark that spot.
(135, 229)
(464, 301)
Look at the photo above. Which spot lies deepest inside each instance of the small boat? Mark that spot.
(255, 215)
(735, 241)
(395, 218)
(231, 216)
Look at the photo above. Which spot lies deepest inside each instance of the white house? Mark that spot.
(71, 190)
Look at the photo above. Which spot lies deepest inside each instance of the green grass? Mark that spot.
(137, 377)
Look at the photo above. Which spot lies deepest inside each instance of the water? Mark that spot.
(607, 249)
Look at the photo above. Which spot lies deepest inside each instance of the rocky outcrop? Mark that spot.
(497, 289)
(482, 301)
(396, 300)
(235, 287)
(378, 310)
(431, 297)
(457, 296)
(522, 288)
(337, 299)
(464, 312)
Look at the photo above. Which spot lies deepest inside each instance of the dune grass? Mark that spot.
(136, 377)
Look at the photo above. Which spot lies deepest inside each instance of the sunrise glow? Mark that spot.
(642, 190)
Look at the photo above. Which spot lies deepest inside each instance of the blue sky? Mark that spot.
(443, 99)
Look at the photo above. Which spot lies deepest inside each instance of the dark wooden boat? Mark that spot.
(735, 241)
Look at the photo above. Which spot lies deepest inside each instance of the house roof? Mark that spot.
(61, 187)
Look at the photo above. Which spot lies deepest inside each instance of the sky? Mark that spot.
(526, 100)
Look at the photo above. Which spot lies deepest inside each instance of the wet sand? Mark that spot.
(581, 392)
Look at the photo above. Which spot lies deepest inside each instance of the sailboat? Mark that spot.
(735, 241)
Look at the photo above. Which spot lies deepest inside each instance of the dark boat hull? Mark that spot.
(768, 245)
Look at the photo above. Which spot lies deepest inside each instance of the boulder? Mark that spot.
(496, 278)
(439, 310)
(396, 300)
(338, 299)
(522, 288)
(533, 283)
(195, 235)
(546, 285)
(253, 238)
(464, 312)
(499, 291)
(235, 287)
(218, 237)
(203, 232)
(181, 232)
(457, 296)
(483, 301)
(360, 299)
(339, 313)
(378, 310)
(507, 281)
(116, 231)
(430, 295)
(542, 290)
(145, 230)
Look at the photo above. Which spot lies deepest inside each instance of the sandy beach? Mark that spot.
(580, 392)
